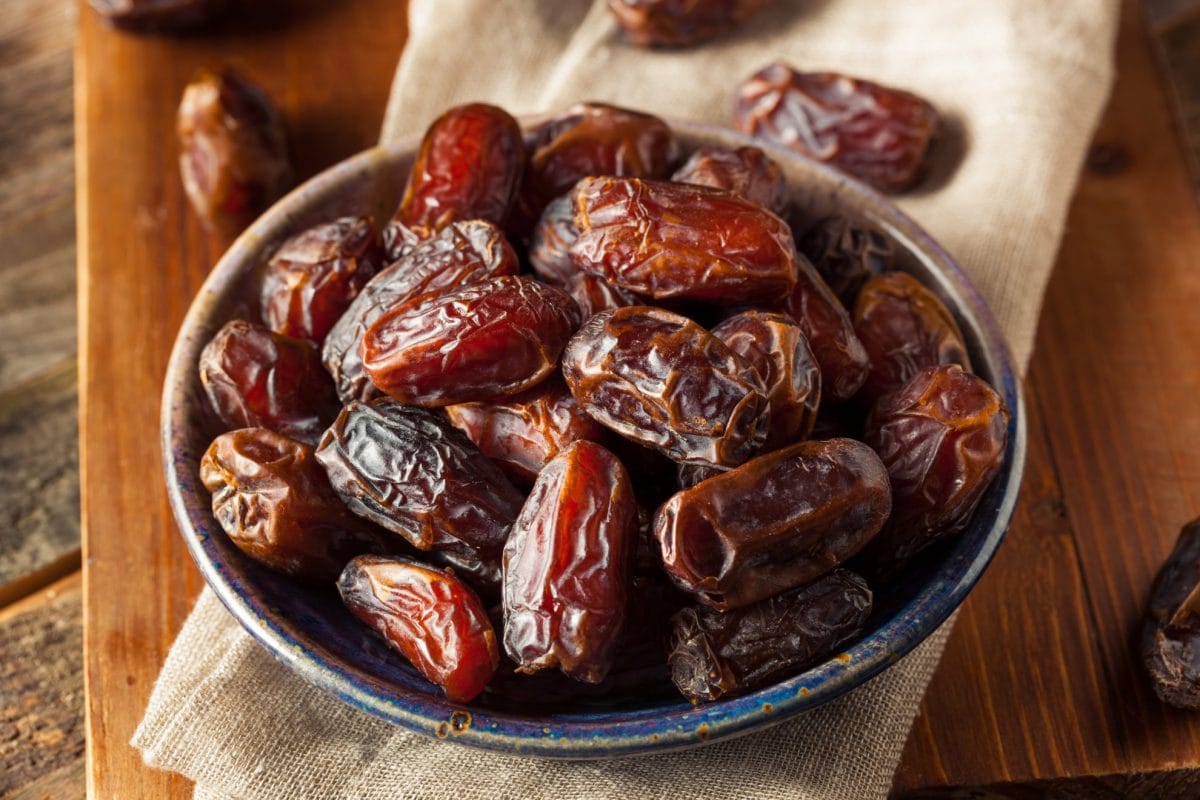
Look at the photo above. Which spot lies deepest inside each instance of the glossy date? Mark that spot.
(679, 23)
(1170, 644)
(847, 255)
(550, 246)
(745, 171)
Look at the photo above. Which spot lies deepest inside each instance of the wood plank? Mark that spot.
(41, 694)
(142, 257)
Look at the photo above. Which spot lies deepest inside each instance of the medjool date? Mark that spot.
(550, 248)
(679, 23)
(847, 255)
(745, 171)
(594, 295)
(1171, 631)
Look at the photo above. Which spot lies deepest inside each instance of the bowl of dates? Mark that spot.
(593, 436)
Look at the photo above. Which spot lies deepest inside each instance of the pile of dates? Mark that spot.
(582, 415)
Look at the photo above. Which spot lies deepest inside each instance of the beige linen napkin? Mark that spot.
(1022, 84)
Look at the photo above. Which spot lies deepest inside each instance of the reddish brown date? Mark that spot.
(679, 23)
(568, 565)
(460, 253)
(410, 471)
(256, 378)
(592, 139)
(1171, 631)
(594, 295)
(775, 346)
(674, 240)
(428, 616)
(524, 432)
(482, 341)
(274, 502)
(715, 654)
(232, 151)
(663, 381)
(313, 277)
(778, 521)
(904, 328)
(942, 438)
(830, 333)
(873, 132)
(550, 246)
(847, 255)
(688, 475)
(468, 167)
(156, 15)
(745, 171)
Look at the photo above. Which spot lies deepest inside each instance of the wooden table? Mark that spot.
(1039, 693)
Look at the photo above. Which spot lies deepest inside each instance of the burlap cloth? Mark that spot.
(1022, 83)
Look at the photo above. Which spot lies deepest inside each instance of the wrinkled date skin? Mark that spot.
(778, 521)
(482, 341)
(745, 171)
(1171, 631)
(460, 253)
(313, 277)
(568, 565)
(410, 471)
(274, 502)
(823, 320)
(232, 150)
(428, 616)
(524, 432)
(663, 381)
(156, 15)
(592, 139)
(846, 255)
(550, 246)
(594, 295)
(256, 378)
(775, 346)
(942, 438)
(679, 23)
(904, 328)
(715, 654)
(469, 167)
(875, 133)
(674, 240)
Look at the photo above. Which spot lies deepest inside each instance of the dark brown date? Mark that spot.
(1171, 631)
(314, 276)
(594, 295)
(410, 471)
(156, 15)
(568, 565)
(830, 333)
(663, 381)
(777, 522)
(274, 502)
(904, 328)
(232, 150)
(460, 253)
(745, 171)
(550, 246)
(468, 167)
(942, 438)
(524, 432)
(482, 341)
(875, 133)
(847, 255)
(428, 616)
(679, 23)
(256, 378)
(674, 240)
(688, 475)
(715, 654)
(774, 345)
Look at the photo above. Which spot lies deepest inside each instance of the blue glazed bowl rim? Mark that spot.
(655, 729)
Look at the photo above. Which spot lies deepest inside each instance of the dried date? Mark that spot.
(1171, 631)
(594, 295)
(904, 328)
(873, 132)
(847, 255)
(410, 471)
(256, 378)
(745, 171)
(715, 654)
(482, 341)
(274, 502)
(675, 240)
(157, 15)
(777, 522)
(663, 381)
(568, 565)
(232, 151)
(550, 246)
(942, 438)
(680, 23)
(313, 277)
(428, 616)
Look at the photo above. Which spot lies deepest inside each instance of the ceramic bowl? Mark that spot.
(310, 632)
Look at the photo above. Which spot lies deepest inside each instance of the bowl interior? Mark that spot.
(310, 631)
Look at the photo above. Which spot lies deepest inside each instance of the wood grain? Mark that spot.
(143, 255)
